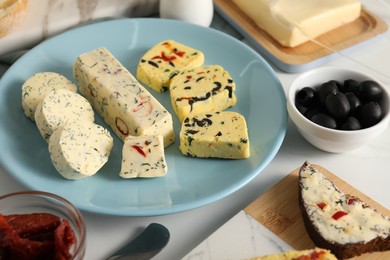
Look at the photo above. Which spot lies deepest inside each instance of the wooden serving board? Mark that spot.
(367, 26)
(278, 210)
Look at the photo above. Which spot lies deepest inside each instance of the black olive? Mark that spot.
(301, 109)
(324, 120)
(337, 105)
(325, 89)
(370, 90)
(354, 101)
(336, 82)
(351, 124)
(307, 96)
(313, 110)
(370, 114)
(350, 85)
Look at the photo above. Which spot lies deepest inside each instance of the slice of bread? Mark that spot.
(339, 222)
(12, 13)
(309, 254)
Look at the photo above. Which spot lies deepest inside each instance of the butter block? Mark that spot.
(126, 106)
(293, 22)
(216, 134)
(202, 89)
(163, 61)
(61, 107)
(143, 157)
(38, 86)
(80, 149)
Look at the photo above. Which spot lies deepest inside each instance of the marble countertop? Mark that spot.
(45, 18)
(366, 169)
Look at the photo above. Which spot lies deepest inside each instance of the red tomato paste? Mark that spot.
(35, 236)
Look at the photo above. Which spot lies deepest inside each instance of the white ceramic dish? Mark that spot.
(330, 140)
(190, 182)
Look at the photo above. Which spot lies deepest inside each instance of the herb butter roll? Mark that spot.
(80, 149)
(38, 86)
(61, 107)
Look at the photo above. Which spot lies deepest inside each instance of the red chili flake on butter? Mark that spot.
(351, 200)
(313, 256)
(121, 126)
(174, 50)
(317, 254)
(139, 150)
(321, 205)
(339, 214)
(164, 57)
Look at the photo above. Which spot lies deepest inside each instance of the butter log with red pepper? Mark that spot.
(202, 89)
(337, 221)
(124, 104)
(163, 61)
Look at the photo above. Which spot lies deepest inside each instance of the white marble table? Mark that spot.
(367, 169)
(46, 18)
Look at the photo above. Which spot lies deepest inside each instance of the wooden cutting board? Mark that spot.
(278, 210)
(367, 26)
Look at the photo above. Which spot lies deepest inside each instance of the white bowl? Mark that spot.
(327, 139)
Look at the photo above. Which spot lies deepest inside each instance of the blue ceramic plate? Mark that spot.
(190, 182)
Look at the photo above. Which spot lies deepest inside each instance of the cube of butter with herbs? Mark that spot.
(163, 61)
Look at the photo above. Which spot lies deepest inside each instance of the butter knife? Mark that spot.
(146, 245)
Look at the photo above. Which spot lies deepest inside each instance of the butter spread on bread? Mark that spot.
(338, 221)
(309, 254)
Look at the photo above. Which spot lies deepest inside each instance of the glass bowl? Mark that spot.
(27, 202)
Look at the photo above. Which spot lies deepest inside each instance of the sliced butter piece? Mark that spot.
(61, 107)
(202, 89)
(80, 149)
(293, 22)
(38, 86)
(126, 106)
(216, 134)
(143, 156)
(163, 61)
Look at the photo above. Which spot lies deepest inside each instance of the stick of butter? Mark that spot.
(293, 22)
(126, 106)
